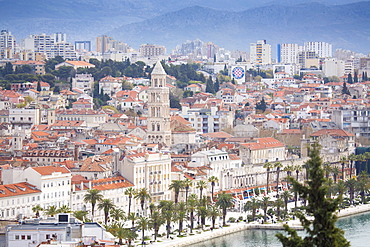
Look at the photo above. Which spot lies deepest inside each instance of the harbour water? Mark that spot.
(356, 231)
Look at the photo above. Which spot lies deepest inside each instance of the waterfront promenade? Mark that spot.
(200, 236)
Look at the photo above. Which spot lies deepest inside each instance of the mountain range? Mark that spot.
(231, 24)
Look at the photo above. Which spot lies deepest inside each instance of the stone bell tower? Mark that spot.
(158, 120)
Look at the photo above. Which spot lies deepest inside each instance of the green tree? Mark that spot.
(349, 78)
(355, 77)
(143, 195)
(117, 214)
(192, 206)
(167, 211)
(209, 85)
(129, 235)
(81, 215)
(267, 166)
(278, 167)
(264, 204)
(363, 185)
(298, 169)
(217, 85)
(187, 183)
(156, 221)
(106, 205)
(143, 224)
(130, 192)
(93, 196)
(224, 201)
(252, 205)
(64, 209)
(335, 170)
(213, 180)
(201, 185)
(38, 88)
(51, 210)
(188, 93)
(345, 89)
(202, 213)
(286, 195)
(213, 213)
(176, 186)
(37, 209)
(279, 203)
(181, 213)
(261, 106)
(321, 231)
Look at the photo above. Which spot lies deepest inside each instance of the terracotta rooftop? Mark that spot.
(48, 170)
(17, 189)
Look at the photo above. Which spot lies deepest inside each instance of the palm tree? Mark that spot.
(176, 186)
(167, 210)
(286, 196)
(363, 185)
(143, 195)
(265, 203)
(181, 214)
(106, 205)
(340, 187)
(352, 158)
(152, 206)
(201, 185)
(93, 196)
(267, 166)
(64, 209)
(187, 183)
(213, 180)
(202, 214)
(351, 184)
(278, 166)
(80, 215)
(143, 224)
(156, 221)
(252, 205)
(51, 210)
(343, 161)
(327, 169)
(297, 170)
(129, 235)
(224, 201)
(213, 213)
(192, 205)
(132, 216)
(118, 230)
(279, 203)
(36, 209)
(117, 214)
(130, 192)
(335, 170)
(288, 169)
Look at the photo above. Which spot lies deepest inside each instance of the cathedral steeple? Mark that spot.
(158, 120)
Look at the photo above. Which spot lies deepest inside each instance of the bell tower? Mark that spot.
(158, 120)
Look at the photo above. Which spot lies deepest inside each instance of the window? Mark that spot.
(28, 237)
(16, 237)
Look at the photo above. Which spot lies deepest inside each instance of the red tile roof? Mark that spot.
(48, 170)
(17, 189)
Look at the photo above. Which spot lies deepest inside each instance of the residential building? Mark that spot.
(47, 157)
(149, 50)
(151, 170)
(260, 52)
(288, 53)
(7, 44)
(333, 67)
(24, 118)
(38, 67)
(261, 150)
(110, 85)
(322, 49)
(84, 82)
(75, 64)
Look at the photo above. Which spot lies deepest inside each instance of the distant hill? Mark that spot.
(231, 24)
(345, 26)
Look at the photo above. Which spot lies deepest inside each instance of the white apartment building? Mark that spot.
(84, 82)
(110, 85)
(149, 170)
(262, 150)
(260, 52)
(287, 53)
(44, 186)
(7, 44)
(18, 199)
(24, 118)
(322, 49)
(149, 50)
(333, 67)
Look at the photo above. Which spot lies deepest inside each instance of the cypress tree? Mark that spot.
(261, 105)
(349, 80)
(38, 86)
(216, 86)
(365, 77)
(345, 89)
(355, 78)
(209, 86)
(321, 231)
